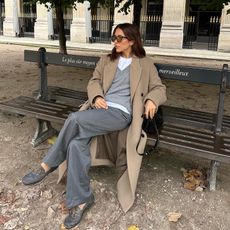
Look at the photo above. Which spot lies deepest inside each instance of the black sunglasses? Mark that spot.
(119, 38)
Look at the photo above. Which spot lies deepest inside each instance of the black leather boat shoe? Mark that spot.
(76, 213)
(36, 176)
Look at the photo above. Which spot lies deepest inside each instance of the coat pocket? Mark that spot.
(142, 143)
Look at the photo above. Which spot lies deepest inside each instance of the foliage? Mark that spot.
(59, 6)
(53, 3)
(212, 5)
(72, 3)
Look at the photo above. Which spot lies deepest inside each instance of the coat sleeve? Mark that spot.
(94, 87)
(156, 89)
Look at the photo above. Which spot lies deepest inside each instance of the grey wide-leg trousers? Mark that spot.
(73, 145)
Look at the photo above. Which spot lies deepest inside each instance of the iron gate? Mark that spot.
(67, 23)
(192, 39)
(2, 15)
(150, 27)
(214, 31)
(101, 28)
(27, 19)
(189, 32)
(68, 18)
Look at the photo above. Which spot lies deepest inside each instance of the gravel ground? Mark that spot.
(160, 188)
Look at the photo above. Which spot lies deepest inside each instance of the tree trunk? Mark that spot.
(61, 29)
(137, 12)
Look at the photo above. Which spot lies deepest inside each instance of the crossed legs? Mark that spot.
(73, 145)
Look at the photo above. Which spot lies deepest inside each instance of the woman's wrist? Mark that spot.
(95, 98)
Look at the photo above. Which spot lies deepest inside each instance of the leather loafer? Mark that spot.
(36, 176)
(75, 213)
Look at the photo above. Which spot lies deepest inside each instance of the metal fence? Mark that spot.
(27, 19)
(214, 31)
(189, 32)
(26, 25)
(150, 27)
(101, 28)
(2, 16)
(192, 38)
(67, 23)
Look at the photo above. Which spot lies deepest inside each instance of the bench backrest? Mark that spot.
(166, 71)
(61, 59)
(193, 74)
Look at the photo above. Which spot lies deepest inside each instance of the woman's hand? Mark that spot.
(150, 109)
(100, 103)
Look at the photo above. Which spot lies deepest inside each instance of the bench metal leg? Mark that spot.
(213, 173)
(44, 130)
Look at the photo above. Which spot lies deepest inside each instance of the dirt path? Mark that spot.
(160, 188)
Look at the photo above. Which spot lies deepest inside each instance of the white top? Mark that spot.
(124, 62)
(117, 106)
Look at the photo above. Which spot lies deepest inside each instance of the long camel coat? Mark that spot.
(123, 147)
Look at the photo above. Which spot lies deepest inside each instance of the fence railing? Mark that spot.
(1, 24)
(2, 17)
(67, 23)
(101, 28)
(189, 32)
(193, 40)
(214, 31)
(150, 27)
(26, 24)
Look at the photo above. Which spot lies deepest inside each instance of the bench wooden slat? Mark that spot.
(195, 118)
(64, 94)
(200, 143)
(55, 112)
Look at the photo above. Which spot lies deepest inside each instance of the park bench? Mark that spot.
(198, 133)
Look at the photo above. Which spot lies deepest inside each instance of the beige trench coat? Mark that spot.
(144, 84)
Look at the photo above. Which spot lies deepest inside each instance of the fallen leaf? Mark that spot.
(7, 197)
(52, 140)
(133, 227)
(174, 216)
(62, 227)
(194, 178)
(3, 219)
(189, 185)
(62, 207)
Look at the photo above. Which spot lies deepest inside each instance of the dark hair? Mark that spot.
(133, 34)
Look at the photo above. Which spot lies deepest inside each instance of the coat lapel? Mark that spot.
(109, 73)
(135, 75)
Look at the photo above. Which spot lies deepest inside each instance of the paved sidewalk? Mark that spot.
(95, 47)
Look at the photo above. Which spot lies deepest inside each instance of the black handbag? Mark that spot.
(153, 126)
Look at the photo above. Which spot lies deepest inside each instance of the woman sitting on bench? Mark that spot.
(125, 85)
